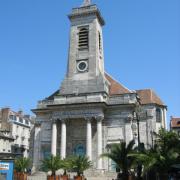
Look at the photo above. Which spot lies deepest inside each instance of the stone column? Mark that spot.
(36, 148)
(165, 119)
(63, 139)
(89, 139)
(54, 139)
(99, 142)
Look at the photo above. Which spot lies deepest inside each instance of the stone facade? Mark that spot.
(91, 111)
(6, 143)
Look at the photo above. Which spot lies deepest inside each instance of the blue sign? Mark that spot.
(6, 170)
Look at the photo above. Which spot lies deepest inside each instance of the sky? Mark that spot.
(141, 47)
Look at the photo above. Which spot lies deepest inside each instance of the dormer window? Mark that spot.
(83, 38)
(20, 120)
(11, 117)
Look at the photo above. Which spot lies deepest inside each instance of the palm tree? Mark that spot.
(65, 165)
(120, 155)
(52, 163)
(22, 164)
(162, 156)
(80, 163)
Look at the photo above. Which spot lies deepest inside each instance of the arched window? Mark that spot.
(158, 115)
(79, 150)
(83, 38)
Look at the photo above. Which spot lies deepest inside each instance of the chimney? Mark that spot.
(5, 116)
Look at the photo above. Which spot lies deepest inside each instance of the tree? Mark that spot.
(52, 163)
(167, 141)
(120, 155)
(80, 163)
(22, 164)
(160, 158)
(66, 165)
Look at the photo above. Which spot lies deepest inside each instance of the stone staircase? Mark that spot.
(90, 175)
(99, 175)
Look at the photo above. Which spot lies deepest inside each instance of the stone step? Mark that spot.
(90, 175)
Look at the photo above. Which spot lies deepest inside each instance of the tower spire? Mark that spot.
(86, 3)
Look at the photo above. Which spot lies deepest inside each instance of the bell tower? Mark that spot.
(85, 69)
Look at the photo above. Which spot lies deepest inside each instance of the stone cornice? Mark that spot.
(86, 11)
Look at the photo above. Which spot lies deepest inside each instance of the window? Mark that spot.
(15, 118)
(158, 115)
(27, 122)
(83, 38)
(11, 117)
(20, 120)
(100, 43)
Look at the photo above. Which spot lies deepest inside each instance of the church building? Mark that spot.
(91, 110)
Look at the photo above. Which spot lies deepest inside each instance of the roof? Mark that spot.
(175, 122)
(148, 96)
(115, 87)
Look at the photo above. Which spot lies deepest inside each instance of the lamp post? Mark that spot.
(136, 117)
(152, 138)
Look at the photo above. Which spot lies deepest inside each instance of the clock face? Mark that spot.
(82, 66)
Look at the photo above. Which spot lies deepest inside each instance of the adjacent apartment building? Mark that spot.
(6, 142)
(175, 124)
(15, 129)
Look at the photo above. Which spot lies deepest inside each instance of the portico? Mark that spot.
(88, 139)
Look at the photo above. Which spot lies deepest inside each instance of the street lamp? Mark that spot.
(136, 117)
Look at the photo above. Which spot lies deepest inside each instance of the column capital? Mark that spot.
(88, 118)
(54, 121)
(63, 121)
(99, 118)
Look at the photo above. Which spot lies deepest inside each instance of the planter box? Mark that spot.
(64, 177)
(131, 177)
(20, 176)
(163, 176)
(53, 177)
(79, 178)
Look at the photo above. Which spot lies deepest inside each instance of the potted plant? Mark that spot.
(52, 163)
(21, 165)
(65, 165)
(79, 164)
(120, 155)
